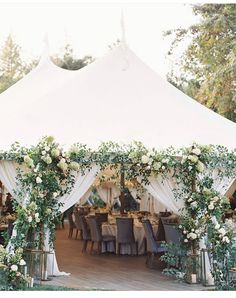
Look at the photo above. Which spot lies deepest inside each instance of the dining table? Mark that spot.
(110, 228)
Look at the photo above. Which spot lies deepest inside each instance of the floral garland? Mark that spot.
(46, 177)
(12, 273)
(49, 170)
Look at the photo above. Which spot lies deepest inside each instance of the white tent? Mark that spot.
(115, 98)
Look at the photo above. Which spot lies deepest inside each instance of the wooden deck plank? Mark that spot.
(108, 271)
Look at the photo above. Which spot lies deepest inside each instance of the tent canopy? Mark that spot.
(117, 98)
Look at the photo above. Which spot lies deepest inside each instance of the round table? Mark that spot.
(139, 234)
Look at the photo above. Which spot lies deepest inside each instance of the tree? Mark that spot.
(11, 65)
(68, 60)
(207, 68)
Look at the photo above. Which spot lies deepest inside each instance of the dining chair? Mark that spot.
(101, 217)
(125, 233)
(77, 222)
(153, 247)
(96, 234)
(86, 232)
(72, 225)
(172, 234)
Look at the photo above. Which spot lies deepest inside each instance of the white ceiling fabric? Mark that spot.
(116, 98)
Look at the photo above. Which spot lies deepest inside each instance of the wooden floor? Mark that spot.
(108, 271)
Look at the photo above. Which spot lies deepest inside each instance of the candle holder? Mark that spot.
(37, 264)
(206, 277)
(192, 269)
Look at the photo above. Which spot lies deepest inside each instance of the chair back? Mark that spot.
(95, 229)
(101, 217)
(77, 219)
(84, 227)
(152, 245)
(125, 230)
(172, 233)
(70, 219)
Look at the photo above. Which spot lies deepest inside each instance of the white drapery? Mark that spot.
(81, 186)
(8, 175)
(162, 189)
(85, 197)
(220, 184)
(147, 202)
(108, 194)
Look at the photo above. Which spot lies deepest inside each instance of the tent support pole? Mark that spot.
(122, 190)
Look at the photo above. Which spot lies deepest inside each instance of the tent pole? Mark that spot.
(122, 190)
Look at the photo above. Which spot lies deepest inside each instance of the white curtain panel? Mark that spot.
(8, 175)
(162, 189)
(81, 186)
(108, 194)
(85, 197)
(147, 202)
(220, 184)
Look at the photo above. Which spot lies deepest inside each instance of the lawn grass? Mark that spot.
(58, 288)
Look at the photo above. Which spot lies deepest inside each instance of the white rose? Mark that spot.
(151, 153)
(192, 236)
(157, 166)
(180, 226)
(211, 206)
(48, 160)
(38, 180)
(74, 166)
(44, 152)
(193, 158)
(190, 200)
(185, 240)
(200, 167)
(145, 159)
(14, 267)
(163, 167)
(196, 151)
(22, 262)
(194, 204)
(222, 231)
(192, 230)
(37, 219)
(49, 211)
(30, 219)
(55, 152)
(148, 167)
(217, 226)
(62, 165)
(55, 194)
(46, 148)
(28, 161)
(36, 215)
(184, 232)
(226, 239)
(215, 199)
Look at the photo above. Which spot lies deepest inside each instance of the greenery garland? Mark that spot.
(48, 176)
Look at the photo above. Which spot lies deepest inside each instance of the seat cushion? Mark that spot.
(107, 238)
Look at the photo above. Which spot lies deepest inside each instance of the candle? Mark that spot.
(25, 270)
(210, 280)
(194, 278)
(45, 275)
(31, 282)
